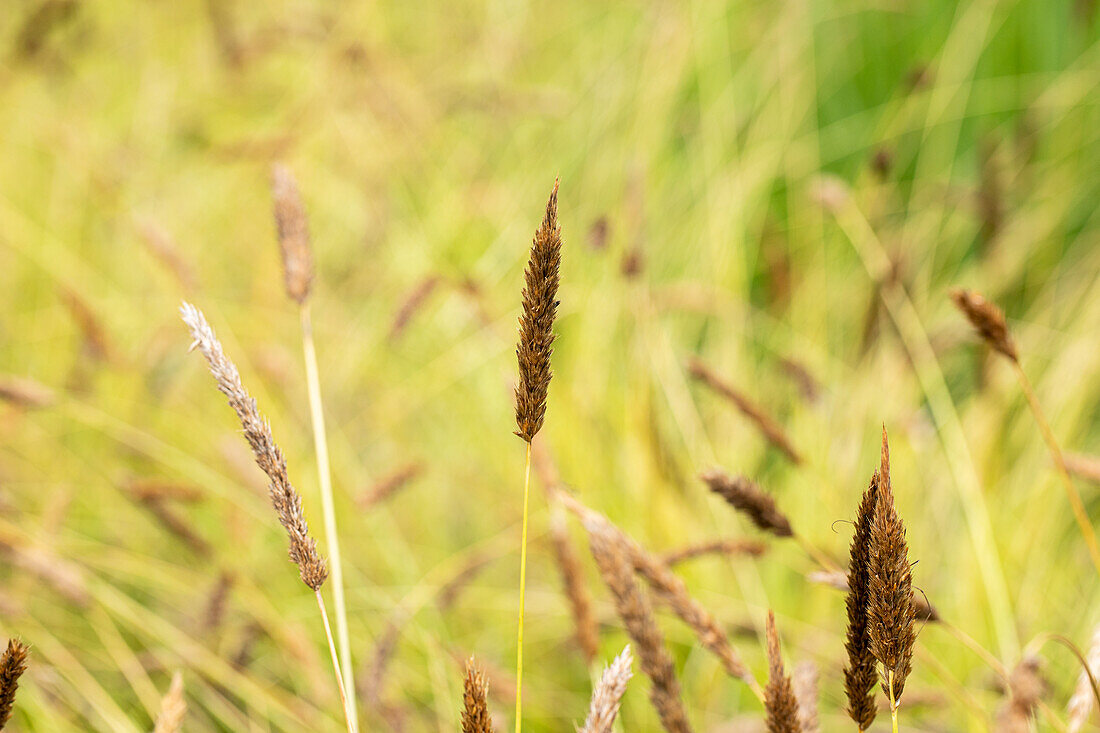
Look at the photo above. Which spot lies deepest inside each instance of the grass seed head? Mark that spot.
(536, 323)
(475, 699)
(284, 498)
(780, 705)
(890, 603)
(13, 663)
(988, 320)
(293, 230)
(747, 498)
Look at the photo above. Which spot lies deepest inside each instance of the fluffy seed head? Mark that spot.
(987, 319)
(609, 694)
(780, 704)
(13, 663)
(747, 498)
(890, 605)
(475, 711)
(293, 229)
(536, 323)
(1083, 701)
(172, 708)
(286, 501)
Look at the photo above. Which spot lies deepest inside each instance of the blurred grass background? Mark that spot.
(737, 179)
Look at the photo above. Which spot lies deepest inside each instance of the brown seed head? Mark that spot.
(13, 663)
(293, 230)
(536, 324)
(173, 708)
(988, 319)
(609, 694)
(286, 501)
(1025, 688)
(637, 616)
(669, 588)
(861, 674)
(475, 711)
(780, 704)
(768, 427)
(747, 498)
(890, 605)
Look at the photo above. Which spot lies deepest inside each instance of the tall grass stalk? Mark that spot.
(328, 513)
(344, 697)
(522, 592)
(1075, 503)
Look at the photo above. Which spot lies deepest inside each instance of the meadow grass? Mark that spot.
(751, 185)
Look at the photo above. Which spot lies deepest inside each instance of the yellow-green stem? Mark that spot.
(522, 593)
(893, 703)
(1060, 464)
(335, 662)
(328, 510)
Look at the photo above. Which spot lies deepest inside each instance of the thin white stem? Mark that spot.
(328, 509)
(335, 663)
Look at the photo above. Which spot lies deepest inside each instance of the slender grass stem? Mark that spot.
(1075, 502)
(893, 702)
(522, 593)
(335, 663)
(317, 416)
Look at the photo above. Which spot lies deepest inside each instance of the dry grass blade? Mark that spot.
(765, 424)
(152, 488)
(285, 499)
(576, 590)
(536, 323)
(585, 627)
(987, 319)
(750, 548)
(13, 663)
(389, 485)
(1025, 688)
(860, 674)
(804, 681)
(637, 615)
(747, 498)
(475, 698)
(1083, 700)
(63, 576)
(293, 231)
(1083, 466)
(23, 392)
(217, 602)
(412, 303)
(890, 605)
(161, 246)
(173, 708)
(780, 705)
(177, 526)
(450, 591)
(609, 694)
